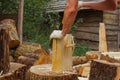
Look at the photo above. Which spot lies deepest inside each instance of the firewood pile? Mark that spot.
(99, 66)
(93, 66)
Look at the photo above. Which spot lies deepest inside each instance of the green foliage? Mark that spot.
(8, 6)
(37, 22)
(81, 49)
(75, 25)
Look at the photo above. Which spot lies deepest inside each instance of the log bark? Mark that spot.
(26, 48)
(4, 50)
(26, 61)
(44, 72)
(13, 35)
(17, 72)
(103, 70)
(79, 60)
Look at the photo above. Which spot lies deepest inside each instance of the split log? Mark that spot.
(4, 50)
(83, 70)
(29, 61)
(79, 60)
(17, 72)
(32, 55)
(103, 70)
(44, 59)
(102, 38)
(44, 72)
(90, 55)
(37, 54)
(93, 55)
(26, 48)
(26, 60)
(62, 50)
(13, 35)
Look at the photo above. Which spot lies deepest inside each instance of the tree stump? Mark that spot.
(4, 50)
(13, 35)
(17, 72)
(44, 72)
(103, 70)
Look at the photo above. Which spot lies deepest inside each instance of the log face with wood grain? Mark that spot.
(16, 72)
(44, 72)
(25, 48)
(103, 70)
(4, 50)
(13, 35)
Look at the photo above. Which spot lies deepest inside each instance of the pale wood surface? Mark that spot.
(44, 72)
(102, 38)
(62, 54)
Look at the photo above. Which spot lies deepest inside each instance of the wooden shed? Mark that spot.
(88, 30)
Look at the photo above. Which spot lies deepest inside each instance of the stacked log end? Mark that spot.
(103, 70)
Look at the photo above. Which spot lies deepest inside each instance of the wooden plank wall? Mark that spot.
(111, 20)
(88, 30)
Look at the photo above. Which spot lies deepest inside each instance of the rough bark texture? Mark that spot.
(13, 35)
(43, 72)
(79, 60)
(102, 70)
(26, 60)
(4, 50)
(17, 72)
(26, 48)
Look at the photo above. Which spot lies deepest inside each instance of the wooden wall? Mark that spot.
(88, 30)
(111, 18)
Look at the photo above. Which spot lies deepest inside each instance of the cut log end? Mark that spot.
(17, 72)
(103, 70)
(44, 72)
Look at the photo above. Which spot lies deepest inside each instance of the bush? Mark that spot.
(81, 49)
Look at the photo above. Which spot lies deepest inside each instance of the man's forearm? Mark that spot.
(69, 15)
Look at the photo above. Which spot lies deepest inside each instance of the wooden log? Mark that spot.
(26, 48)
(79, 60)
(44, 72)
(102, 70)
(17, 72)
(90, 55)
(102, 38)
(26, 61)
(62, 54)
(44, 59)
(4, 50)
(14, 40)
(112, 57)
(83, 70)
